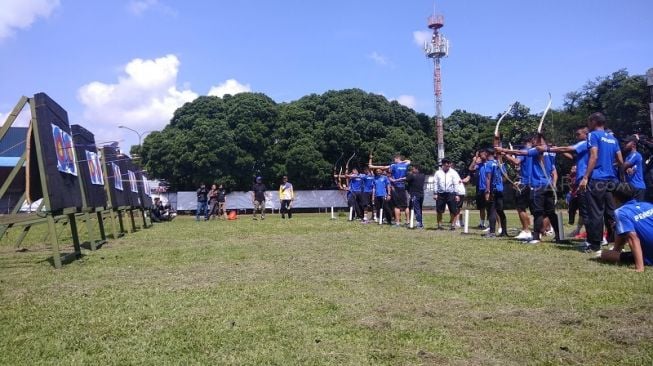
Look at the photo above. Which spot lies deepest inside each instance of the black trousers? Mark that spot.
(543, 205)
(380, 202)
(574, 205)
(600, 210)
(495, 208)
(285, 209)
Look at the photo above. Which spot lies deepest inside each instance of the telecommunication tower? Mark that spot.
(436, 49)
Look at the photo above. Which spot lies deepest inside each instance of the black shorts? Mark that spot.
(480, 201)
(523, 199)
(542, 201)
(399, 198)
(446, 200)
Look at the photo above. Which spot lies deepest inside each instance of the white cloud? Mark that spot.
(378, 58)
(144, 98)
(20, 14)
(139, 7)
(407, 100)
(419, 37)
(231, 86)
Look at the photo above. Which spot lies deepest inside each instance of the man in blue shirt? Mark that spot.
(599, 180)
(634, 168)
(381, 196)
(542, 187)
(523, 188)
(356, 189)
(398, 171)
(494, 194)
(634, 226)
(581, 158)
(366, 196)
(476, 168)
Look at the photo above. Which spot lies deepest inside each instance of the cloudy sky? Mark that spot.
(133, 62)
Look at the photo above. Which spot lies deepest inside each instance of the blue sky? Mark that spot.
(133, 62)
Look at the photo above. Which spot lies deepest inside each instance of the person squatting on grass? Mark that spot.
(286, 197)
(634, 226)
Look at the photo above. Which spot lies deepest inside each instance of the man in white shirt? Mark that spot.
(446, 184)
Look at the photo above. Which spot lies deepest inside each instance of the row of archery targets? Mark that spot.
(59, 169)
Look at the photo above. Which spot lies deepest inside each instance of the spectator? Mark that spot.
(202, 197)
(286, 196)
(258, 198)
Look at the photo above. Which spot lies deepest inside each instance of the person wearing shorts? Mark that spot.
(398, 171)
(445, 195)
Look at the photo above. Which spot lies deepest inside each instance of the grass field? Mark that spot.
(312, 291)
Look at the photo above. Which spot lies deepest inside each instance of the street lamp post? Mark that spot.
(140, 134)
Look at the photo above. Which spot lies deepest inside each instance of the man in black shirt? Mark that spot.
(258, 197)
(415, 181)
(222, 202)
(202, 198)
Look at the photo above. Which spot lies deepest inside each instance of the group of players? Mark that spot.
(607, 188)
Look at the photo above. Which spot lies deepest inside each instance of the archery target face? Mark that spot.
(117, 177)
(94, 170)
(132, 181)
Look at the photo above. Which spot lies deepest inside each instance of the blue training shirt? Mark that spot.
(582, 158)
(368, 183)
(482, 174)
(607, 147)
(493, 170)
(636, 180)
(356, 183)
(381, 184)
(637, 217)
(398, 171)
(525, 169)
(539, 177)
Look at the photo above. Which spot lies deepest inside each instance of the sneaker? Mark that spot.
(452, 228)
(489, 236)
(396, 225)
(262, 217)
(523, 235)
(365, 222)
(581, 236)
(499, 231)
(439, 228)
(533, 241)
(574, 233)
(480, 226)
(502, 235)
(549, 232)
(588, 248)
(486, 230)
(604, 241)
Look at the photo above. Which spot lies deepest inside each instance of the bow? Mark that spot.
(548, 106)
(335, 171)
(539, 131)
(347, 166)
(497, 143)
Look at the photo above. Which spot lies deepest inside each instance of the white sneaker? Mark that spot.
(524, 235)
(604, 241)
(598, 254)
(549, 233)
(533, 241)
(486, 230)
(499, 231)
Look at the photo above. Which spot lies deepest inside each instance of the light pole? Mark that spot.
(140, 134)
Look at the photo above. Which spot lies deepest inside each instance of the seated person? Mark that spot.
(635, 227)
(156, 210)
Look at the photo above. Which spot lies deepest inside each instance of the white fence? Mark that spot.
(187, 201)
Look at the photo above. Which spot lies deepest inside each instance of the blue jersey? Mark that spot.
(356, 183)
(637, 217)
(479, 166)
(494, 171)
(607, 147)
(482, 176)
(582, 158)
(381, 184)
(398, 171)
(368, 183)
(542, 169)
(525, 169)
(636, 180)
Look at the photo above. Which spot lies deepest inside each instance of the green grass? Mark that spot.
(312, 291)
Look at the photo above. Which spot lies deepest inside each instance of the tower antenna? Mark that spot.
(436, 49)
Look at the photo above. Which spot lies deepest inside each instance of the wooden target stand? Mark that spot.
(35, 168)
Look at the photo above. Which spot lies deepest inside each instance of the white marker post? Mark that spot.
(466, 227)
(412, 218)
(561, 227)
(333, 216)
(351, 213)
(381, 216)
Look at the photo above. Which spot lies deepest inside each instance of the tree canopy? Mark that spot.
(231, 140)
